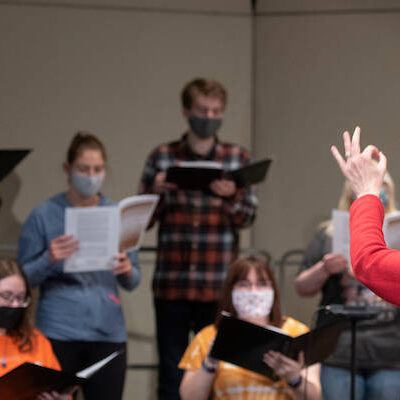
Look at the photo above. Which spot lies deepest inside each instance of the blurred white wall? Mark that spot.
(116, 68)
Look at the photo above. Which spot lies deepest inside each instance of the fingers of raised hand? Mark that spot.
(339, 159)
(382, 164)
(355, 142)
(347, 143)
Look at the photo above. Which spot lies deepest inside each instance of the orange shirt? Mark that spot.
(41, 353)
(232, 382)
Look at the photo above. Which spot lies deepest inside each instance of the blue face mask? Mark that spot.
(87, 185)
(383, 195)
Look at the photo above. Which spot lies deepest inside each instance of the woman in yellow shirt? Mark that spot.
(250, 293)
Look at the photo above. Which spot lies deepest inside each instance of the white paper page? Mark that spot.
(97, 232)
(89, 371)
(135, 214)
(199, 164)
(341, 233)
(391, 230)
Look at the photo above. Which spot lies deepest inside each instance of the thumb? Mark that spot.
(382, 164)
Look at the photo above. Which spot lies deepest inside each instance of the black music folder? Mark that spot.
(29, 380)
(9, 159)
(243, 343)
(198, 175)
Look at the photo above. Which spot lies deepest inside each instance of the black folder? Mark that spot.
(10, 159)
(243, 343)
(199, 178)
(29, 380)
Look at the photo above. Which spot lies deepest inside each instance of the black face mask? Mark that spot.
(10, 317)
(204, 127)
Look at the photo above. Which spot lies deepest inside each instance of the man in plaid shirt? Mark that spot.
(198, 231)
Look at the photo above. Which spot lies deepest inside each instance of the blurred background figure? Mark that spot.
(377, 353)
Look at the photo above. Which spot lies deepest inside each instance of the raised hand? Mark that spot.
(364, 170)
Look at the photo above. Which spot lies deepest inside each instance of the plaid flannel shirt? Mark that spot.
(198, 233)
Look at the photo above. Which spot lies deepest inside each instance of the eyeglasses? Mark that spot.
(9, 299)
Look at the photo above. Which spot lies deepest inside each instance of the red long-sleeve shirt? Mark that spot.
(376, 266)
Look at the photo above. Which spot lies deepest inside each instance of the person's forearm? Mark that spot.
(196, 385)
(38, 269)
(132, 280)
(373, 263)
(311, 281)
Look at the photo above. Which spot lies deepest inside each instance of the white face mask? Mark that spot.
(253, 303)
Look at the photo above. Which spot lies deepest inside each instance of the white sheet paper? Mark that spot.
(96, 229)
(135, 213)
(102, 232)
(341, 233)
(391, 230)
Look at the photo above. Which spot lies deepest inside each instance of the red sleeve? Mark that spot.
(376, 266)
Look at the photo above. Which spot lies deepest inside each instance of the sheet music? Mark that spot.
(89, 371)
(135, 214)
(341, 233)
(391, 230)
(96, 229)
(199, 164)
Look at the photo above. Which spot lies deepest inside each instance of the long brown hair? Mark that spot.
(22, 333)
(238, 271)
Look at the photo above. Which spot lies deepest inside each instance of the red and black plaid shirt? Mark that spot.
(198, 233)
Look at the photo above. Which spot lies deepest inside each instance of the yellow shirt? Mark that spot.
(232, 382)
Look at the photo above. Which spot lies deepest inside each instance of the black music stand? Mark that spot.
(354, 314)
(9, 159)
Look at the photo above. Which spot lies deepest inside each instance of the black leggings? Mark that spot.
(106, 384)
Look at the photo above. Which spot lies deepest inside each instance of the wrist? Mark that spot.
(209, 366)
(296, 382)
(325, 270)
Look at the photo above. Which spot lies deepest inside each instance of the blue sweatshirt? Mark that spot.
(81, 306)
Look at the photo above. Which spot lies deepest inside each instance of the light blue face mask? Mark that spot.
(87, 185)
(383, 195)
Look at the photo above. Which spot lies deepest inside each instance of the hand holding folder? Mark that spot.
(199, 175)
(242, 343)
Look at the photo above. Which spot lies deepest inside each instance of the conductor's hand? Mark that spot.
(160, 185)
(62, 247)
(334, 263)
(123, 264)
(283, 366)
(364, 170)
(223, 187)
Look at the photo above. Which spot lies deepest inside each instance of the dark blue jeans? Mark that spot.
(383, 384)
(174, 321)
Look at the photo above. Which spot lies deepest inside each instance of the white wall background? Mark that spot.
(117, 67)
